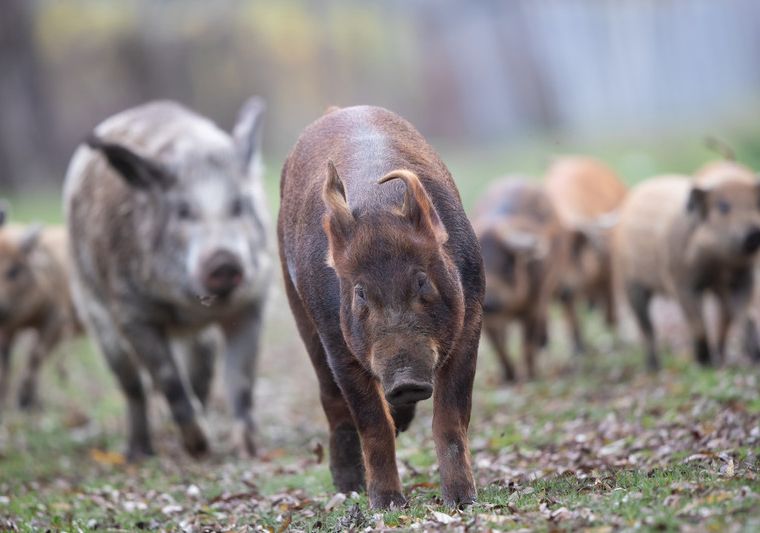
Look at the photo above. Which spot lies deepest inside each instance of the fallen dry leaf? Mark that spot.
(443, 518)
(337, 499)
(107, 458)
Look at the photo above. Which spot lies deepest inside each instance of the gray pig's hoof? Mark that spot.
(195, 440)
(386, 500)
(459, 495)
(243, 441)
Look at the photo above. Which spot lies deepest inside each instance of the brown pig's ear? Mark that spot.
(247, 135)
(135, 170)
(697, 202)
(338, 220)
(417, 205)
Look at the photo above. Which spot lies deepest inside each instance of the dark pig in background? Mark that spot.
(587, 195)
(521, 240)
(384, 276)
(167, 226)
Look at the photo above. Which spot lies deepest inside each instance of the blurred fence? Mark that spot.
(467, 71)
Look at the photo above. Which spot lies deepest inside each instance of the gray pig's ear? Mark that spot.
(247, 134)
(697, 202)
(30, 238)
(136, 170)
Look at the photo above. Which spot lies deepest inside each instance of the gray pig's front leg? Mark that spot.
(152, 347)
(243, 337)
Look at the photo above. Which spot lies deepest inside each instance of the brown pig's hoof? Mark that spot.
(138, 452)
(509, 377)
(195, 440)
(348, 479)
(459, 495)
(386, 499)
(27, 399)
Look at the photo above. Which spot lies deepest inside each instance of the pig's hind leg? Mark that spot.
(567, 299)
(242, 340)
(639, 298)
(496, 331)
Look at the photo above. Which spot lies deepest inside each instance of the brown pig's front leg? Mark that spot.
(376, 431)
(452, 402)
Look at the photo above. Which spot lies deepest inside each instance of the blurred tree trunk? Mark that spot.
(25, 118)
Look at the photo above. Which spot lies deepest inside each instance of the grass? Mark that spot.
(536, 447)
(594, 443)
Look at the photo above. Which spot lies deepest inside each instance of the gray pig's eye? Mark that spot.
(13, 272)
(184, 211)
(724, 207)
(237, 207)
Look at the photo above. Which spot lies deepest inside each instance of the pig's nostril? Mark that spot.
(752, 241)
(223, 273)
(408, 393)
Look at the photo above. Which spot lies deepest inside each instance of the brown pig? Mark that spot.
(521, 241)
(385, 280)
(34, 296)
(719, 171)
(680, 238)
(708, 175)
(587, 195)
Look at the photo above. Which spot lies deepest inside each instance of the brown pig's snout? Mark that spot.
(752, 241)
(222, 273)
(406, 387)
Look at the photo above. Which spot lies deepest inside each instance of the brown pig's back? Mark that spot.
(518, 200)
(364, 143)
(642, 236)
(583, 189)
(716, 172)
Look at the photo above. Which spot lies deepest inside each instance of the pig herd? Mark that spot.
(166, 262)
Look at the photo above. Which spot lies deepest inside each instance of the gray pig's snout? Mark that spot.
(222, 273)
(752, 241)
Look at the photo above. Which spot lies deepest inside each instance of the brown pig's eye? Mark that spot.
(422, 284)
(359, 294)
